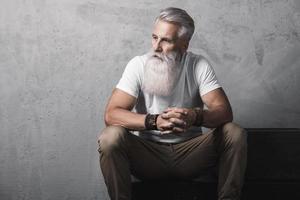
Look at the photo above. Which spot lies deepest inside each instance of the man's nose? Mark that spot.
(157, 46)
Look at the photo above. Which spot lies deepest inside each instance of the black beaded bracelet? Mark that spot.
(150, 121)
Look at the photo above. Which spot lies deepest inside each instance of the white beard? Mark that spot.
(161, 73)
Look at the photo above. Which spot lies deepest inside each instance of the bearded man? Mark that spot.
(155, 114)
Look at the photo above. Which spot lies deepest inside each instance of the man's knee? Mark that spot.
(234, 134)
(111, 137)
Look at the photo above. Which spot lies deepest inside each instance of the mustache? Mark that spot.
(167, 57)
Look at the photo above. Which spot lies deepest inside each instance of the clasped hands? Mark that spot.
(175, 120)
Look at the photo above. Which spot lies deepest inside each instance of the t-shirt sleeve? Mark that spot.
(206, 77)
(130, 81)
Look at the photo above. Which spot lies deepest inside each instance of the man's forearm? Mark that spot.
(216, 117)
(125, 118)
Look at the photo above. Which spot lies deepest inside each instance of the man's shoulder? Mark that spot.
(136, 64)
(139, 59)
(197, 60)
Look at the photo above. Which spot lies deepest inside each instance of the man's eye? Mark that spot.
(168, 41)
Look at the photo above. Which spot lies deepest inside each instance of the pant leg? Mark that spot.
(224, 147)
(232, 162)
(123, 154)
(114, 163)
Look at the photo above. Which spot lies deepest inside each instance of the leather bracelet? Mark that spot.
(150, 121)
(199, 116)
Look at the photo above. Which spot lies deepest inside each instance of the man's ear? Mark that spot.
(184, 45)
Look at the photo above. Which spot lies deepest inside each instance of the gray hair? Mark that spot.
(181, 18)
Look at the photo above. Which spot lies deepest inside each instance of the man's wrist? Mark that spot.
(199, 116)
(150, 121)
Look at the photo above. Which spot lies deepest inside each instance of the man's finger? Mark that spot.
(177, 110)
(168, 125)
(177, 122)
(172, 115)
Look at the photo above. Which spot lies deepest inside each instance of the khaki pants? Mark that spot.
(123, 154)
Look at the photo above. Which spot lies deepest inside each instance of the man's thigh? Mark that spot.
(197, 156)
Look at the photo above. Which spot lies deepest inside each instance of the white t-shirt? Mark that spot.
(196, 79)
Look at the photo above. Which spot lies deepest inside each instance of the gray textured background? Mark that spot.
(60, 59)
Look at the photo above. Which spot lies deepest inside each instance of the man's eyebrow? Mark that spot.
(165, 38)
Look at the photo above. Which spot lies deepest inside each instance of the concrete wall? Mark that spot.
(60, 59)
